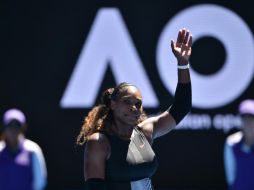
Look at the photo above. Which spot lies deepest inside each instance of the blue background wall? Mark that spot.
(41, 42)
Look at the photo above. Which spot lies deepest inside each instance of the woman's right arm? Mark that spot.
(96, 153)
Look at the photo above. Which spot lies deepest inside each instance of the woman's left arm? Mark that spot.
(166, 121)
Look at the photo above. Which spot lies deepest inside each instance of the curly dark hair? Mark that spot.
(100, 118)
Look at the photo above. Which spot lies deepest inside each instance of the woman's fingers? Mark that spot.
(189, 44)
(179, 36)
(186, 37)
(183, 34)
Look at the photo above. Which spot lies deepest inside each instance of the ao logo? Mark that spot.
(109, 44)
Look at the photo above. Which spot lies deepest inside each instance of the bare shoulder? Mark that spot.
(97, 144)
(98, 137)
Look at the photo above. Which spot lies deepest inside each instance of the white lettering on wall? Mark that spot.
(234, 77)
(225, 122)
(108, 44)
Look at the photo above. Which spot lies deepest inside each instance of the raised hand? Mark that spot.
(182, 47)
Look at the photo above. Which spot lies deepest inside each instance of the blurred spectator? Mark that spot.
(22, 165)
(239, 151)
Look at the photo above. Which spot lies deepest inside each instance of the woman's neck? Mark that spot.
(122, 130)
(14, 145)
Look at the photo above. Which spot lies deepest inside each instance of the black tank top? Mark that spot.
(131, 163)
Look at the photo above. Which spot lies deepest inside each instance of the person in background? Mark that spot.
(22, 164)
(239, 151)
(118, 135)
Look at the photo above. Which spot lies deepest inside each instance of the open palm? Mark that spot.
(182, 47)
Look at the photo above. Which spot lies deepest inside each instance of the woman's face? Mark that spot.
(11, 135)
(127, 107)
(248, 125)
